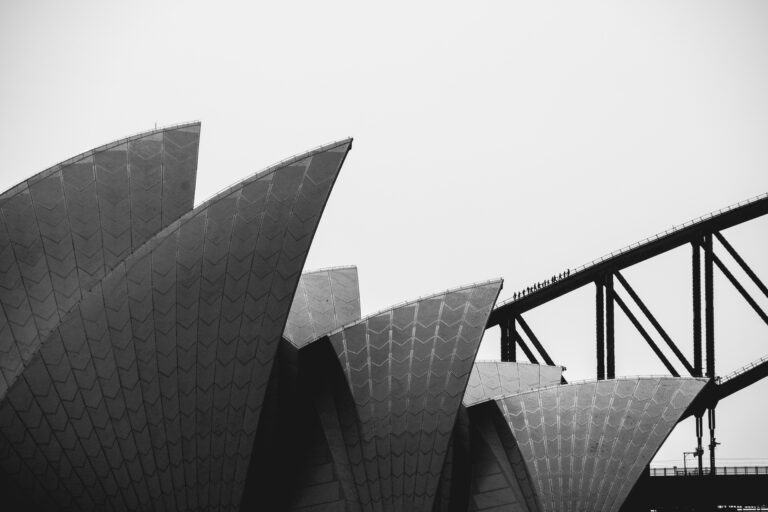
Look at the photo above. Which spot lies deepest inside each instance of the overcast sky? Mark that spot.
(512, 139)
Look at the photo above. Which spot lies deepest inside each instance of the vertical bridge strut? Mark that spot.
(510, 338)
(599, 329)
(610, 358)
(696, 280)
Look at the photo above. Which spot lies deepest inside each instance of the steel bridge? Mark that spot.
(605, 273)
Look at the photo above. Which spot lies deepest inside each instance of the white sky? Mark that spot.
(511, 139)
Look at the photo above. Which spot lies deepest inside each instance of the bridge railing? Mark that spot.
(719, 470)
(743, 369)
(673, 229)
(625, 249)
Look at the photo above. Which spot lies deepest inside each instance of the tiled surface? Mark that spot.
(147, 395)
(407, 369)
(325, 300)
(62, 230)
(493, 379)
(585, 445)
(146, 390)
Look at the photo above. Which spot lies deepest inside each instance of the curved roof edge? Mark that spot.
(278, 165)
(328, 269)
(589, 381)
(499, 280)
(85, 154)
(519, 362)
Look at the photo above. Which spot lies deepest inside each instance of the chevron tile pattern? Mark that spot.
(585, 445)
(406, 370)
(493, 379)
(147, 394)
(62, 230)
(325, 300)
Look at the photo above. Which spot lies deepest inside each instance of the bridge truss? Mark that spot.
(605, 273)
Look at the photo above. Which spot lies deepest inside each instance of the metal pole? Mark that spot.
(699, 435)
(696, 270)
(600, 333)
(712, 441)
(609, 339)
(507, 339)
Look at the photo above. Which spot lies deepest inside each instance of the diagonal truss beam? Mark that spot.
(535, 341)
(671, 344)
(523, 345)
(737, 285)
(743, 264)
(644, 334)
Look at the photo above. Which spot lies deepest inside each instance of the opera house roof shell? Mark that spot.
(324, 301)
(156, 356)
(494, 379)
(584, 445)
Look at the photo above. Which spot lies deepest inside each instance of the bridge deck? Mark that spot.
(635, 253)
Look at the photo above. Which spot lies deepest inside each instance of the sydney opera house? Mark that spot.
(160, 356)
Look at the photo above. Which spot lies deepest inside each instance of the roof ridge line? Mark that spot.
(326, 269)
(588, 381)
(12, 191)
(275, 166)
(518, 362)
(417, 299)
